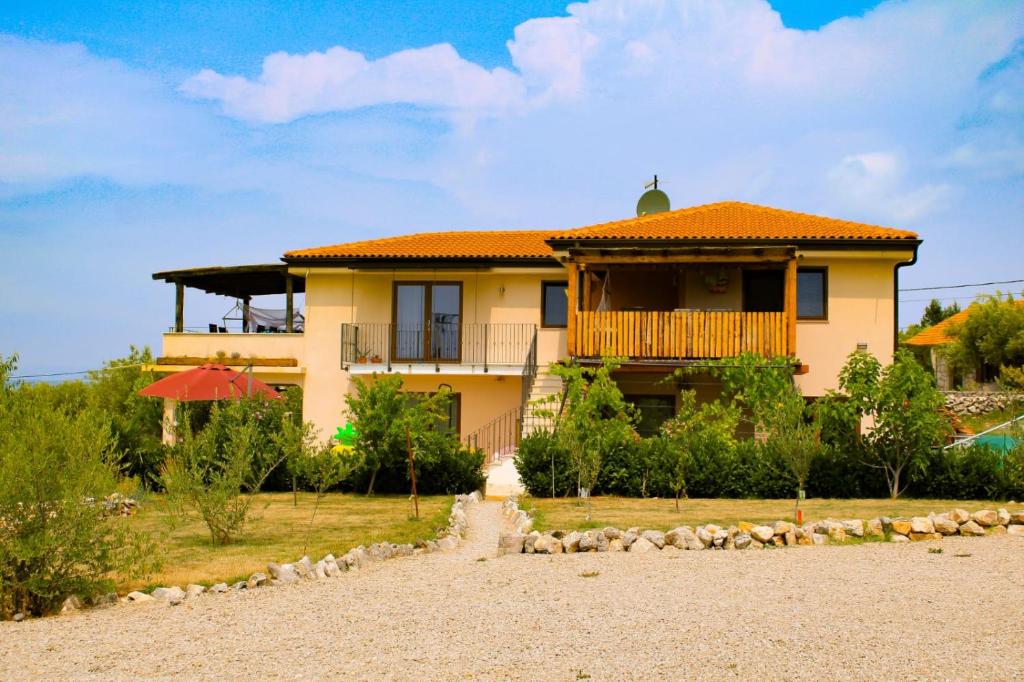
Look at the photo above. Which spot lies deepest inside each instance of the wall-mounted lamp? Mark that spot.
(862, 346)
(441, 387)
(501, 290)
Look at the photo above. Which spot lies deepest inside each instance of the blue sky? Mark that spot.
(136, 137)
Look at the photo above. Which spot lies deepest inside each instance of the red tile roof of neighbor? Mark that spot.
(938, 334)
(724, 220)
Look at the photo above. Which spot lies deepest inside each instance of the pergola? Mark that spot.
(237, 281)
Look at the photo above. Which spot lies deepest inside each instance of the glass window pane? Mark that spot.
(810, 293)
(556, 304)
(410, 300)
(444, 321)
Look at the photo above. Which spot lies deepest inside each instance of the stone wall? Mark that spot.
(750, 536)
(981, 402)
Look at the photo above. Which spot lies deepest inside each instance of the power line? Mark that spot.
(964, 286)
(68, 374)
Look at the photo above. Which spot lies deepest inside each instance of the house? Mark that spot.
(941, 334)
(484, 313)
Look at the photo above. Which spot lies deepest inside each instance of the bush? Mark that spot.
(214, 472)
(544, 466)
(445, 467)
(55, 463)
(971, 472)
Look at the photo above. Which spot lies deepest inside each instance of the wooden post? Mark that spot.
(790, 307)
(179, 307)
(573, 300)
(289, 294)
(587, 275)
(412, 470)
(245, 314)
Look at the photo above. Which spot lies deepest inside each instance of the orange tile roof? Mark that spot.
(734, 220)
(725, 220)
(938, 334)
(512, 244)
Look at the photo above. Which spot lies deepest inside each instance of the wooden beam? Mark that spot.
(179, 307)
(790, 307)
(289, 306)
(649, 258)
(573, 307)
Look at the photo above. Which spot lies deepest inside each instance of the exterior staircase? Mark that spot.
(500, 438)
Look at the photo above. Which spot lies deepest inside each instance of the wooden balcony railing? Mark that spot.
(673, 335)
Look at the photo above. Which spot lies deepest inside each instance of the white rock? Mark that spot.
(139, 598)
(1015, 529)
(192, 591)
(921, 524)
(655, 537)
(172, 595)
(643, 546)
(762, 533)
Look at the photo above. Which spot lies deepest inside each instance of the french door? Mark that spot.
(427, 321)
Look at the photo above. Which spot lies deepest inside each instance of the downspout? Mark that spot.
(896, 298)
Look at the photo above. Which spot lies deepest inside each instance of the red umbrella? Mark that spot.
(209, 382)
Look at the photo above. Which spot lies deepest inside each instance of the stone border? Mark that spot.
(747, 535)
(304, 569)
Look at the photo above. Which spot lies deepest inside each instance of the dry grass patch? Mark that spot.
(343, 521)
(626, 512)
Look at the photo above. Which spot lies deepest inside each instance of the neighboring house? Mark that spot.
(485, 312)
(939, 335)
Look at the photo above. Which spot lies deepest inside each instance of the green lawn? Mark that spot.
(343, 521)
(624, 512)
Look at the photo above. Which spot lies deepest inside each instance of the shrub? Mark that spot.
(445, 467)
(215, 472)
(544, 466)
(54, 539)
(384, 418)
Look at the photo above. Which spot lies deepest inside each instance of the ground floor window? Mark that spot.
(452, 421)
(654, 410)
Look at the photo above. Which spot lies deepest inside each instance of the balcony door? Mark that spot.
(428, 321)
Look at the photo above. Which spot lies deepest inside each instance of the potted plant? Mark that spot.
(376, 359)
(362, 355)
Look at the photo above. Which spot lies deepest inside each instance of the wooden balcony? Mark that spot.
(678, 335)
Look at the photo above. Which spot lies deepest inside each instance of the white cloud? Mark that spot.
(339, 79)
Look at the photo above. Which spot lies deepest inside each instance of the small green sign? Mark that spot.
(346, 436)
(801, 494)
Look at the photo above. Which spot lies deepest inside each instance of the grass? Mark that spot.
(624, 512)
(981, 422)
(343, 521)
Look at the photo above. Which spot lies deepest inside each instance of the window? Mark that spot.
(554, 304)
(451, 420)
(427, 321)
(812, 293)
(654, 410)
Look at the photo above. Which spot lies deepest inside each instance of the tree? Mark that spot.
(710, 425)
(993, 334)
(903, 405)
(381, 414)
(56, 465)
(596, 419)
(135, 421)
(323, 468)
(935, 312)
(216, 471)
(766, 388)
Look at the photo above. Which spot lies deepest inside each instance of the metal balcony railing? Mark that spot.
(483, 344)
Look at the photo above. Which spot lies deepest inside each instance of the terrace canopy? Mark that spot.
(239, 281)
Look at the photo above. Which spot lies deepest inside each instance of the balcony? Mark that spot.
(679, 335)
(499, 348)
(673, 306)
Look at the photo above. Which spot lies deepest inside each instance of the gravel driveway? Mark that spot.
(873, 611)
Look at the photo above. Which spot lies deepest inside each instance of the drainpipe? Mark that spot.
(896, 298)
